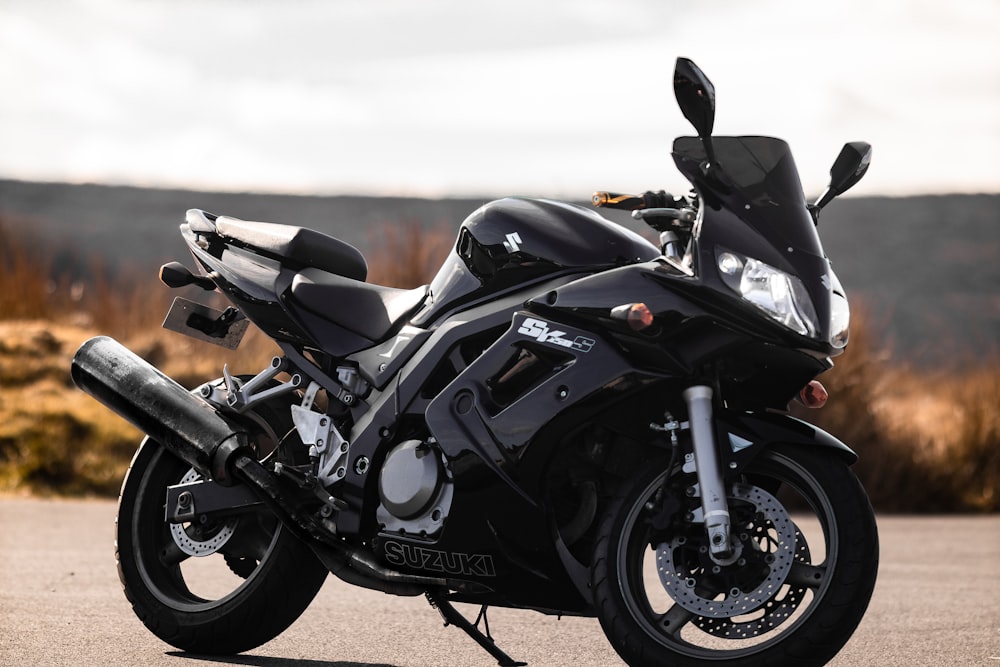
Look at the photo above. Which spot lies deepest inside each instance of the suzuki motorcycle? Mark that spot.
(568, 419)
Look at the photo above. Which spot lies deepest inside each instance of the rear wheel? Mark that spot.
(218, 586)
(801, 577)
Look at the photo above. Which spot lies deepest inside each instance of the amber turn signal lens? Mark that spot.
(637, 315)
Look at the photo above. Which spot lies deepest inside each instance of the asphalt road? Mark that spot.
(937, 603)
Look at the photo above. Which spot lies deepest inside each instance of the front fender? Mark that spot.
(742, 435)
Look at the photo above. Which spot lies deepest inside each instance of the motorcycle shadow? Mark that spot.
(267, 661)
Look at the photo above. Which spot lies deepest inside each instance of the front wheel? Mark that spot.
(794, 590)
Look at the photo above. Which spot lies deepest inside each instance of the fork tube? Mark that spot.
(708, 470)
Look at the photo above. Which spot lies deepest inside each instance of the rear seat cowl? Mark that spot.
(302, 246)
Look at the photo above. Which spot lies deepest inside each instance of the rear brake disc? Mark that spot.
(196, 539)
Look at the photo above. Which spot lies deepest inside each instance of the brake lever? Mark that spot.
(679, 214)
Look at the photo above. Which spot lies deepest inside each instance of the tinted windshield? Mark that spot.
(761, 167)
(755, 178)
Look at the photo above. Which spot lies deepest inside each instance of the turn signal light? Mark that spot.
(176, 274)
(637, 315)
(814, 395)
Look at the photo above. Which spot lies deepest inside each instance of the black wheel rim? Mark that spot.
(681, 628)
(189, 583)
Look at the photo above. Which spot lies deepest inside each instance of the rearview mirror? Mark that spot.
(695, 96)
(847, 169)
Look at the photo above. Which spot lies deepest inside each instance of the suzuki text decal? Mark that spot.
(470, 565)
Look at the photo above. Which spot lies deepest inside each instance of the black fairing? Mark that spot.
(515, 241)
(696, 326)
(752, 203)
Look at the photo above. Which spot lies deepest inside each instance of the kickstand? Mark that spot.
(451, 616)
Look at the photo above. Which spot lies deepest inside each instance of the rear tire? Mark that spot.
(795, 595)
(254, 579)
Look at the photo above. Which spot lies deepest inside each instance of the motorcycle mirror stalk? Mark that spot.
(849, 168)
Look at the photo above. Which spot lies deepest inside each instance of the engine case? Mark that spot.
(415, 490)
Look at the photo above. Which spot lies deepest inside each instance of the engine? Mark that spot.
(415, 490)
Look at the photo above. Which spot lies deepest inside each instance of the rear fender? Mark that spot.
(741, 436)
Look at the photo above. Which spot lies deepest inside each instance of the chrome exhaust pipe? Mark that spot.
(182, 422)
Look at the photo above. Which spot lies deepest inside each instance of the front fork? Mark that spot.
(708, 469)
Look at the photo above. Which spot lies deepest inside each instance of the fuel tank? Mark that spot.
(516, 241)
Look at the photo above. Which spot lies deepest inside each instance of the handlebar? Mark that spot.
(659, 210)
(627, 202)
(651, 215)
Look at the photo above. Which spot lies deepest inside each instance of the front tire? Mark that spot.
(793, 594)
(248, 579)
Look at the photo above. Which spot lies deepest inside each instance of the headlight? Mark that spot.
(781, 295)
(840, 313)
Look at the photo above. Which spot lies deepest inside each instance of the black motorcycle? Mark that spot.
(567, 419)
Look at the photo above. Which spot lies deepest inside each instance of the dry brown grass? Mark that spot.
(929, 441)
(27, 274)
(407, 255)
(54, 439)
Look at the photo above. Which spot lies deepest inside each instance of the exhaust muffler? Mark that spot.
(180, 421)
(217, 448)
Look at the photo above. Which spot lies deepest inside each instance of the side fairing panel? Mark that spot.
(536, 370)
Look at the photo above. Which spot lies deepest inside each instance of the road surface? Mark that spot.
(937, 603)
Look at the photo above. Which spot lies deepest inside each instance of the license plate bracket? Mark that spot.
(224, 328)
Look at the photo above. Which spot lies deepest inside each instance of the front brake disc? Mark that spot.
(768, 543)
(775, 612)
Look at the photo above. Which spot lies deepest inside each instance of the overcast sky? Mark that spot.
(452, 97)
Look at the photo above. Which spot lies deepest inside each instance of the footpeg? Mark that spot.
(306, 480)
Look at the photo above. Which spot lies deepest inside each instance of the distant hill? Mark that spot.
(928, 267)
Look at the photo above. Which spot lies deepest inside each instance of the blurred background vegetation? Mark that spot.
(929, 439)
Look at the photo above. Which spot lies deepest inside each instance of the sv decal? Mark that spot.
(471, 565)
(540, 331)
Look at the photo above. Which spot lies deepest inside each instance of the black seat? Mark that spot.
(301, 246)
(371, 311)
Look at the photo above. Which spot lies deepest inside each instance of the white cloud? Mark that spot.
(450, 97)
